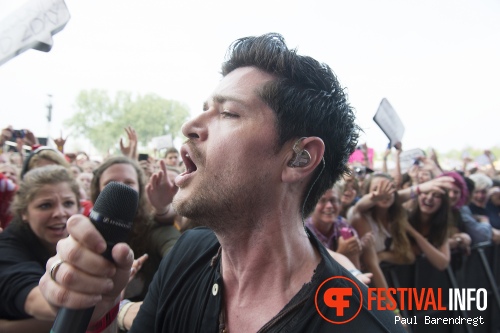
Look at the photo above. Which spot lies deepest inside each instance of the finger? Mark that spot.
(83, 259)
(123, 257)
(69, 277)
(59, 296)
(155, 180)
(163, 166)
(121, 144)
(160, 176)
(83, 231)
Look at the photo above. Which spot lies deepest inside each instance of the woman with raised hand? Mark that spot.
(429, 227)
(147, 236)
(45, 200)
(430, 219)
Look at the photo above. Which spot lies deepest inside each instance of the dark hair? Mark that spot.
(439, 223)
(470, 184)
(171, 150)
(143, 217)
(307, 100)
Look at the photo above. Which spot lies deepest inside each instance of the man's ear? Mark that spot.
(304, 156)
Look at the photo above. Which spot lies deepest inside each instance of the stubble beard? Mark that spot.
(223, 205)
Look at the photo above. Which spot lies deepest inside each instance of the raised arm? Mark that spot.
(438, 257)
(385, 188)
(161, 190)
(440, 184)
(129, 150)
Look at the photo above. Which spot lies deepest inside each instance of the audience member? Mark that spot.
(332, 230)
(349, 191)
(43, 156)
(147, 236)
(428, 228)
(459, 237)
(479, 199)
(493, 205)
(172, 157)
(46, 198)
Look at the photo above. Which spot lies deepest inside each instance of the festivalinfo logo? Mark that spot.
(342, 300)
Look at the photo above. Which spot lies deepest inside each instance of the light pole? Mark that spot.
(49, 115)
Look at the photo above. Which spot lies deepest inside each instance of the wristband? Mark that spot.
(164, 213)
(121, 315)
(412, 192)
(105, 321)
(418, 190)
(355, 271)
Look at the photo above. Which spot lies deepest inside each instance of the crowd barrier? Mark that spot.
(480, 269)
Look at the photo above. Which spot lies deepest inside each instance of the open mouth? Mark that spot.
(188, 162)
(428, 204)
(190, 165)
(57, 227)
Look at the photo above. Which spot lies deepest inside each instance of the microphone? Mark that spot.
(112, 215)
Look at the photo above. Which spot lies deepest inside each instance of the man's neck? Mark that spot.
(264, 269)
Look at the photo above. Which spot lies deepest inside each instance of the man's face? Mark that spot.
(327, 209)
(172, 159)
(231, 164)
(479, 197)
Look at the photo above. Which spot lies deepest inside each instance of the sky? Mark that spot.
(436, 62)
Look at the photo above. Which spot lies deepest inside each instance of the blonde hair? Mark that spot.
(34, 180)
(50, 155)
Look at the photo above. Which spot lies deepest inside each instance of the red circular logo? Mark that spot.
(330, 295)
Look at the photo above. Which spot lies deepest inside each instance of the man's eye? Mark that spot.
(226, 114)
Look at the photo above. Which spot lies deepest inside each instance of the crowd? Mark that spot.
(366, 218)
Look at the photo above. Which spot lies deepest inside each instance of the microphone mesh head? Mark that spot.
(117, 201)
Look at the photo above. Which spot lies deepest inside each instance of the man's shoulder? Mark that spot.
(195, 243)
(199, 237)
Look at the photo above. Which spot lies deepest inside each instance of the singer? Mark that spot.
(276, 132)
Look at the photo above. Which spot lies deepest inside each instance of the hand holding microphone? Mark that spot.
(85, 278)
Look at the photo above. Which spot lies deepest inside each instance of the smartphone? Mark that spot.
(345, 233)
(17, 134)
(143, 157)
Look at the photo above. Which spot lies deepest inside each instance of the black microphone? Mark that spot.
(112, 215)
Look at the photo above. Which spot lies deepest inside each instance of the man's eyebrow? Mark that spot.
(220, 99)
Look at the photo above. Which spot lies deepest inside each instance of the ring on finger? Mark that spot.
(54, 268)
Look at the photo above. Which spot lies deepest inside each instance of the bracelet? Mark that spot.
(121, 315)
(412, 192)
(355, 271)
(105, 321)
(165, 212)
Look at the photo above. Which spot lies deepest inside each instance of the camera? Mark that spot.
(17, 134)
(360, 171)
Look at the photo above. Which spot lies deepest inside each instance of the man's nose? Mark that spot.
(196, 127)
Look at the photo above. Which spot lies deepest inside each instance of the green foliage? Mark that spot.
(102, 119)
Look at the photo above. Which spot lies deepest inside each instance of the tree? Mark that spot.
(101, 119)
